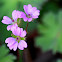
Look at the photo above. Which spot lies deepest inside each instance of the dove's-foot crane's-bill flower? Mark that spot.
(12, 21)
(31, 13)
(17, 40)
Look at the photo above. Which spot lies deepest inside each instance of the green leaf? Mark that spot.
(49, 19)
(59, 60)
(4, 56)
(60, 18)
(52, 32)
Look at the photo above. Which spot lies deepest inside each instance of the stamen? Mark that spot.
(17, 38)
(12, 20)
(29, 15)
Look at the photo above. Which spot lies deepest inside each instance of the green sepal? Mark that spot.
(13, 36)
(22, 38)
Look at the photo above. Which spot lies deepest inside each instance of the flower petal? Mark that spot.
(29, 19)
(15, 30)
(11, 47)
(15, 46)
(9, 27)
(32, 11)
(25, 9)
(6, 20)
(25, 19)
(34, 16)
(23, 33)
(21, 30)
(17, 14)
(14, 15)
(29, 9)
(36, 13)
(11, 42)
(10, 39)
(18, 31)
(22, 44)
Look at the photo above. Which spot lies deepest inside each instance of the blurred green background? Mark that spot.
(48, 26)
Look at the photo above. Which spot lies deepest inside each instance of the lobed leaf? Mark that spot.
(4, 56)
(52, 32)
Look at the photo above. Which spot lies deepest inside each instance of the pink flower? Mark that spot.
(17, 31)
(10, 26)
(15, 15)
(31, 12)
(17, 40)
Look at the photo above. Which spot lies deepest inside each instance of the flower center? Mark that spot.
(12, 20)
(29, 16)
(17, 38)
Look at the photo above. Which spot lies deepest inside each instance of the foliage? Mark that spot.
(59, 60)
(6, 8)
(4, 56)
(52, 32)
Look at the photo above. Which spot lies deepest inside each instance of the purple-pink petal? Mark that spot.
(15, 30)
(25, 19)
(22, 44)
(25, 9)
(36, 13)
(12, 43)
(23, 33)
(9, 39)
(15, 46)
(16, 14)
(24, 16)
(6, 20)
(18, 31)
(9, 27)
(11, 47)
(19, 14)
(21, 30)
(32, 11)
(29, 9)
(29, 19)
(34, 16)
